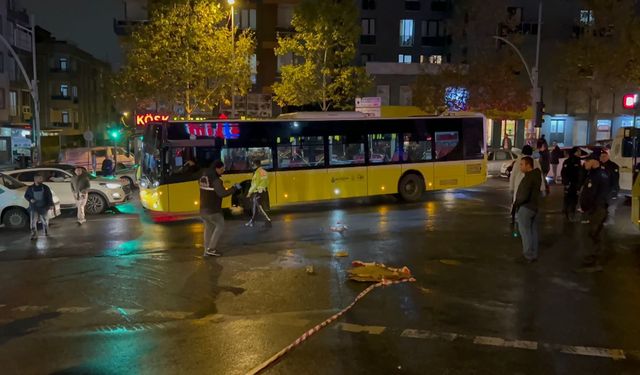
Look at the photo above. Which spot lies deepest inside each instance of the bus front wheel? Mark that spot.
(411, 187)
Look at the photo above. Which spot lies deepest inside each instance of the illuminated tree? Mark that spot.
(324, 47)
(183, 56)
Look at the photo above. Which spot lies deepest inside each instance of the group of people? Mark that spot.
(212, 191)
(40, 198)
(591, 189)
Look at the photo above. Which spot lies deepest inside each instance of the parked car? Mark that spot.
(86, 156)
(126, 175)
(14, 209)
(499, 160)
(104, 193)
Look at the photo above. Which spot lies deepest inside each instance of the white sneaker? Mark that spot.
(212, 253)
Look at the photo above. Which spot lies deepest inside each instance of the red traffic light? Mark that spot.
(629, 101)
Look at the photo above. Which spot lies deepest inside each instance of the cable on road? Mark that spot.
(263, 366)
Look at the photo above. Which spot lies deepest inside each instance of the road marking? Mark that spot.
(166, 314)
(357, 328)
(589, 351)
(73, 309)
(30, 308)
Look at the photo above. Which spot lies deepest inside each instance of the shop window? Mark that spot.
(417, 148)
(383, 148)
(345, 150)
(300, 152)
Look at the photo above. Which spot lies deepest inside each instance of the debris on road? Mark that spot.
(376, 272)
(310, 270)
(341, 254)
(339, 228)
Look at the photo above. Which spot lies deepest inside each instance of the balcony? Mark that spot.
(64, 125)
(411, 5)
(60, 97)
(367, 39)
(436, 41)
(440, 6)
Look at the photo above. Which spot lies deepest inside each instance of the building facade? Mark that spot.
(75, 91)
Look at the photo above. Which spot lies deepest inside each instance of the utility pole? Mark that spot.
(536, 97)
(233, 55)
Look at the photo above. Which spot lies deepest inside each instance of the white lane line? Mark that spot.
(589, 351)
(167, 314)
(497, 341)
(357, 328)
(73, 309)
(29, 308)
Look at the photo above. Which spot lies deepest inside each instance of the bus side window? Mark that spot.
(300, 152)
(416, 148)
(346, 151)
(383, 148)
(448, 146)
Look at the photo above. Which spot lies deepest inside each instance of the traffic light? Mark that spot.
(539, 114)
(629, 101)
(114, 132)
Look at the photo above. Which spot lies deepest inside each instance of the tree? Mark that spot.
(183, 56)
(324, 47)
(492, 73)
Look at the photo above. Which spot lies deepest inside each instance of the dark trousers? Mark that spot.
(258, 207)
(593, 242)
(570, 201)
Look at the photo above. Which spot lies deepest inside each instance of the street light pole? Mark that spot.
(233, 58)
(536, 96)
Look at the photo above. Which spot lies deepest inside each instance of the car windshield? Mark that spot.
(10, 182)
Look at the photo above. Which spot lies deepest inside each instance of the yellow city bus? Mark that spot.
(311, 159)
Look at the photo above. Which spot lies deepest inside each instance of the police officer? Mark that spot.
(613, 170)
(593, 202)
(572, 180)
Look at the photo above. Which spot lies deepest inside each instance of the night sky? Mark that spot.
(87, 23)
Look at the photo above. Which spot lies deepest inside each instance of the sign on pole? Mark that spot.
(371, 106)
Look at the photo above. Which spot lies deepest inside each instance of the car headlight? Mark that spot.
(113, 186)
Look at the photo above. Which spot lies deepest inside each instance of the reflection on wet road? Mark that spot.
(121, 295)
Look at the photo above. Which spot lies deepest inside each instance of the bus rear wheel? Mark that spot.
(411, 187)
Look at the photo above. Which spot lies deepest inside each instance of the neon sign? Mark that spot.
(222, 130)
(145, 118)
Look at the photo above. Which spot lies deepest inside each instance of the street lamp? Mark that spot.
(536, 96)
(233, 58)
(32, 84)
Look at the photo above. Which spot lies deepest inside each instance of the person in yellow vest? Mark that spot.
(258, 194)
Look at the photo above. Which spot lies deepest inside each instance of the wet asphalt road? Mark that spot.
(121, 295)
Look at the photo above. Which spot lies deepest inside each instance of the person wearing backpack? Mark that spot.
(40, 202)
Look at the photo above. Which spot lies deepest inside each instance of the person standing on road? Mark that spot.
(545, 160)
(526, 207)
(572, 181)
(556, 155)
(40, 202)
(517, 175)
(107, 166)
(258, 194)
(211, 193)
(613, 171)
(80, 185)
(593, 202)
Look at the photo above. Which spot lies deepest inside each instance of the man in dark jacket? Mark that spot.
(211, 193)
(80, 185)
(572, 181)
(526, 205)
(613, 171)
(40, 202)
(545, 159)
(593, 202)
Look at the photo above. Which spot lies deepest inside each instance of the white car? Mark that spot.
(14, 209)
(498, 161)
(103, 193)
